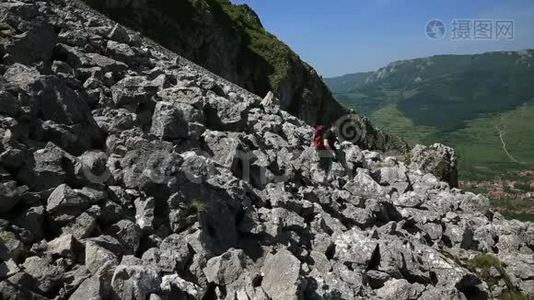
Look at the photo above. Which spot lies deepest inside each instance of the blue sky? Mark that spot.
(346, 36)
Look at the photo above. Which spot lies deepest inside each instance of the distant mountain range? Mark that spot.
(482, 104)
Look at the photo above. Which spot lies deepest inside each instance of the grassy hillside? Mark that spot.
(454, 99)
(260, 41)
(478, 144)
(347, 83)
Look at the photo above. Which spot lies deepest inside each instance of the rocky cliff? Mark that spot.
(230, 41)
(127, 172)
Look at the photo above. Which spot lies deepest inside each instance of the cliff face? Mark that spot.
(230, 41)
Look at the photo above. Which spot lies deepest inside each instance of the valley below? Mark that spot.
(482, 106)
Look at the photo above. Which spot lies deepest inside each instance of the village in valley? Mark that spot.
(509, 196)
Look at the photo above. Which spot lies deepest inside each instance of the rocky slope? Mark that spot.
(129, 173)
(230, 41)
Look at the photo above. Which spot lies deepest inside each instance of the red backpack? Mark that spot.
(318, 137)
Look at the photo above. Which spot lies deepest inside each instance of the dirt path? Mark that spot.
(502, 132)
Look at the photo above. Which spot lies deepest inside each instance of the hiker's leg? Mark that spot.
(330, 162)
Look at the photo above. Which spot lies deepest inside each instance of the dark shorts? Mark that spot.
(326, 158)
(325, 163)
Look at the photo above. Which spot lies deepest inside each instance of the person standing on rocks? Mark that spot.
(324, 141)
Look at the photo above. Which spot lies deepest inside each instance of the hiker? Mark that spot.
(324, 141)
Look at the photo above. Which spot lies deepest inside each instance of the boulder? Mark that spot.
(142, 169)
(135, 282)
(97, 256)
(93, 288)
(57, 103)
(363, 185)
(22, 77)
(341, 283)
(223, 114)
(177, 288)
(93, 167)
(225, 269)
(128, 233)
(34, 45)
(409, 199)
(63, 246)
(144, 213)
(46, 169)
(115, 121)
(281, 219)
(395, 177)
(187, 95)
(377, 278)
(32, 220)
(48, 275)
(442, 293)
(8, 268)
(113, 68)
(171, 121)
(224, 147)
(62, 68)
(320, 261)
(9, 104)
(82, 227)
(281, 276)
(355, 247)
(119, 34)
(65, 204)
(8, 196)
(437, 159)
(121, 52)
(400, 289)
(362, 217)
(130, 92)
(174, 254)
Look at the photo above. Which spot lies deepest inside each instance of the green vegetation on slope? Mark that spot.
(483, 264)
(392, 120)
(261, 42)
(481, 150)
(482, 105)
(445, 91)
(347, 83)
(478, 145)
(461, 100)
(165, 21)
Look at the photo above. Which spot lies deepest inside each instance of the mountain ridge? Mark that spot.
(331, 81)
